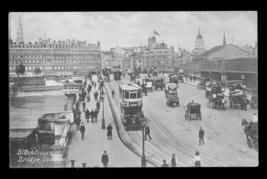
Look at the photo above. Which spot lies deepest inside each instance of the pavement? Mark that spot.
(90, 149)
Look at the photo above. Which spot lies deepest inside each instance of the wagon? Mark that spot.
(192, 111)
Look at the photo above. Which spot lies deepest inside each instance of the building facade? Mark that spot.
(53, 57)
(152, 56)
(158, 56)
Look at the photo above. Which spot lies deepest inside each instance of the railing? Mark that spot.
(71, 86)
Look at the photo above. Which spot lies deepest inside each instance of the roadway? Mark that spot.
(225, 141)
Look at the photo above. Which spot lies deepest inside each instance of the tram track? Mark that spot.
(232, 137)
(166, 138)
(136, 148)
(183, 148)
(166, 141)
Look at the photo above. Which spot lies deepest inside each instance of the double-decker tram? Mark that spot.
(131, 102)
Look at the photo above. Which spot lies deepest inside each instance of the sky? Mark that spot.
(131, 29)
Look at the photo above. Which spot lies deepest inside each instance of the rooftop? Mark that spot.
(130, 87)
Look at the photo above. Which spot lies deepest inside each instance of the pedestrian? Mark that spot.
(147, 132)
(84, 104)
(164, 164)
(78, 120)
(87, 115)
(98, 105)
(173, 161)
(113, 93)
(201, 136)
(96, 114)
(92, 115)
(105, 159)
(109, 129)
(190, 78)
(194, 78)
(82, 130)
(197, 159)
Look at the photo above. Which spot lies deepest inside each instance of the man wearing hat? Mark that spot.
(196, 159)
(201, 136)
(173, 161)
(164, 164)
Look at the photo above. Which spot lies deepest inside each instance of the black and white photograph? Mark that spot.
(133, 89)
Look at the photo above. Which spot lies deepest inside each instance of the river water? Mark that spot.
(24, 112)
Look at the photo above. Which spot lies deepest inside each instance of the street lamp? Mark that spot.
(102, 97)
(143, 159)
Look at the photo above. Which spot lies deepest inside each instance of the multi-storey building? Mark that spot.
(154, 55)
(158, 56)
(53, 57)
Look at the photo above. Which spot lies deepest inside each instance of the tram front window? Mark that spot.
(126, 95)
(131, 111)
(133, 95)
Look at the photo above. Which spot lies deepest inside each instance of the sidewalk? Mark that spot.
(95, 142)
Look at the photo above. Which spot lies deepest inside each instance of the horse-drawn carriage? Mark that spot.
(251, 131)
(237, 97)
(192, 111)
(173, 78)
(171, 95)
(159, 83)
(211, 87)
(202, 84)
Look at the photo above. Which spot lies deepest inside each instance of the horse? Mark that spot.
(251, 131)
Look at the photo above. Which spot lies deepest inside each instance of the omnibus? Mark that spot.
(131, 103)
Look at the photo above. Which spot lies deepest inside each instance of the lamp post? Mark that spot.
(143, 159)
(102, 97)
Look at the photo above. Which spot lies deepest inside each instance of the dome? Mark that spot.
(199, 36)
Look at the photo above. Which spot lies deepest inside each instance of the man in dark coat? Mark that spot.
(96, 114)
(173, 161)
(113, 93)
(109, 129)
(84, 105)
(82, 130)
(105, 159)
(87, 115)
(201, 136)
(164, 164)
(147, 132)
(92, 115)
(78, 119)
(98, 105)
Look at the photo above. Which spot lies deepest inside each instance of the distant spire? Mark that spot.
(20, 32)
(224, 40)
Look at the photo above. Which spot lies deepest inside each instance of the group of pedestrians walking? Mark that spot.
(89, 114)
